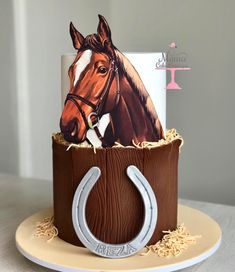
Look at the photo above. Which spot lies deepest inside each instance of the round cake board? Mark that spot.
(62, 256)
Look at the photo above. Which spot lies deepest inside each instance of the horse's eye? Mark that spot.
(102, 70)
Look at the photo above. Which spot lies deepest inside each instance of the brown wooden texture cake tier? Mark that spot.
(114, 209)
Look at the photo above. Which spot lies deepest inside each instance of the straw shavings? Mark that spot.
(171, 135)
(173, 243)
(46, 228)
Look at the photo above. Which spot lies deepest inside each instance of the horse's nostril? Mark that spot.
(70, 130)
(74, 129)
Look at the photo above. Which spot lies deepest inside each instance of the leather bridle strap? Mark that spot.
(101, 102)
(84, 100)
(74, 101)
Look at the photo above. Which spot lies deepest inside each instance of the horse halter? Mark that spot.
(97, 108)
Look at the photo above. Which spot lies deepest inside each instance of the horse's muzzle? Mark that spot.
(70, 130)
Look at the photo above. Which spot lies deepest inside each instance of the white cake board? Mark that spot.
(62, 256)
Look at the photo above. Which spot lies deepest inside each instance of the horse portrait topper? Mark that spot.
(107, 98)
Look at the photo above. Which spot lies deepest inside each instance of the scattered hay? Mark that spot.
(173, 243)
(46, 228)
(171, 135)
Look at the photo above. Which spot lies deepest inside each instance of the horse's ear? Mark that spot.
(76, 36)
(104, 31)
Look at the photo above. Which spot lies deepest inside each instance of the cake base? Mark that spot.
(114, 208)
(62, 256)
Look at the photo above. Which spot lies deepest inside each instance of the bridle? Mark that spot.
(92, 121)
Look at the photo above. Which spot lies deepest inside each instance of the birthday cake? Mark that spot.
(112, 131)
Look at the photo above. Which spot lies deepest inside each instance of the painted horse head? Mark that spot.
(102, 80)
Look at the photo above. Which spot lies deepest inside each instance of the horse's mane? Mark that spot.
(137, 86)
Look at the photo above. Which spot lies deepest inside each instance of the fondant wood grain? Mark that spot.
(114, 209)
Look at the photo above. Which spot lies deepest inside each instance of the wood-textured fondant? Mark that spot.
(114, 209)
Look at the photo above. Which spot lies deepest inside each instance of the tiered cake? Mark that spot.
(107, 98)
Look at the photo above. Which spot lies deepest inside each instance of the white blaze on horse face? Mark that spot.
(81, 64)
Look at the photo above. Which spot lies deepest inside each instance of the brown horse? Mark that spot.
(102, 80)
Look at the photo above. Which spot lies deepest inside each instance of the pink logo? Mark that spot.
(173, 61)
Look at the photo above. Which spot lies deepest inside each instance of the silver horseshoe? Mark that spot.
(83, 232)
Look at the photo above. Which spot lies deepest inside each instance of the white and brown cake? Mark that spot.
(103, 81)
